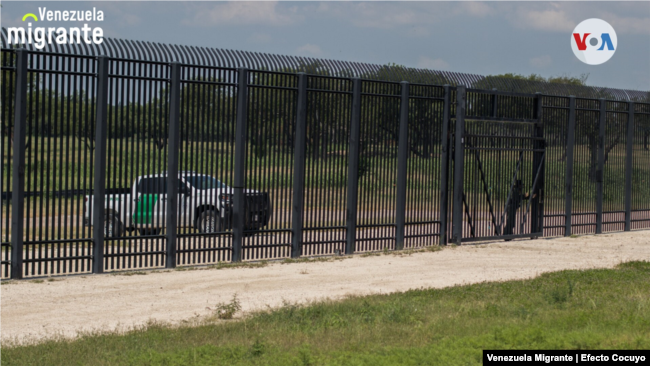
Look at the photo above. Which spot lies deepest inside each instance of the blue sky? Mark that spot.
(473, 37)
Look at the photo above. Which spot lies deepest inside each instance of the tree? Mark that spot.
(587, 122)
(384, 114)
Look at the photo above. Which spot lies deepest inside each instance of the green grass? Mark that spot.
(60, 163)
(592, 309)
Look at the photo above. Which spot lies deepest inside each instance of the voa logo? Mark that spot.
(593, 41)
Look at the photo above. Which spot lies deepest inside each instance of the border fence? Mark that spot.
(350, 161)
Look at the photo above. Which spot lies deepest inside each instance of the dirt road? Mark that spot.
(34, 310)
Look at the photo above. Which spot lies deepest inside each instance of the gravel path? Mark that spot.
(36, 310)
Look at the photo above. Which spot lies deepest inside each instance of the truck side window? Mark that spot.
(158, 186)
(152, 186)
(182, 187)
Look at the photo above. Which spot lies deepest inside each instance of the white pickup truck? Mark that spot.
(204, 203)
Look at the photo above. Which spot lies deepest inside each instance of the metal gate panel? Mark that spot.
(498, 167)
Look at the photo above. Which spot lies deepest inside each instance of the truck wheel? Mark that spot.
(209, 222)
(113, 227)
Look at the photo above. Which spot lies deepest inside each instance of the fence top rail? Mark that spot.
(63, 72)
(135, 77)
(274, 87)
(207, 82)
(429, 85)
(595, 109)
(119, 59)
(329, 91)
(56, 54)
(340, 78)
(504, 93)
(368, 94)
(166, 53)
(288, 73)
(192, 66)
(425, 97)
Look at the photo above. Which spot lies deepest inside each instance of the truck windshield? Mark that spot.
(203, 182)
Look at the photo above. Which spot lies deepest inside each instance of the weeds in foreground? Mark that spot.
(131, 273)
(225, 265)
(561, 294)
(370, 254)
(314, 259)
(409, 252)
(226, 311)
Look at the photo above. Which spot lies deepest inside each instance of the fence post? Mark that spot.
(172, 162)
(539, 161)
(99, 183)
(601, 166)
(353, 167)
(299, 167)
(238, 214)
(444, 169)
(402, 161)
(628, 167)
(459, 157)
(18, 171)
(568, 176)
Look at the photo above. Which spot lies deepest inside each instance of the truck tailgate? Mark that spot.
(257, 209)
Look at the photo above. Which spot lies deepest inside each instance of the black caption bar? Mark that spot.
(538, 357)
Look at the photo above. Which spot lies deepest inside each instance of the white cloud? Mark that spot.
(628, 25)
(547, 20)
(477, 9)
(370, 15)
(382, 15)
(309, 50)
(541, 61)
(430, 63)
(625, 17)
(395, 15)
(239, 13)
(124, 14)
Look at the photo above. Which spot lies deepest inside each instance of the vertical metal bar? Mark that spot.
(457, 221)
(444, 169)
(18, 171)
(99, 197)
(173, 148)
(299, 167)
(537, 196)
(240, 164)
(601, 164)
(568, 177)
(628, 167)
(402, 161)
(353, 167)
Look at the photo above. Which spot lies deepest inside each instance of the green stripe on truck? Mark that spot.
(144, 209)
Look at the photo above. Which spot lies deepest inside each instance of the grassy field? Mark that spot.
(592, 309)
(66, 163)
